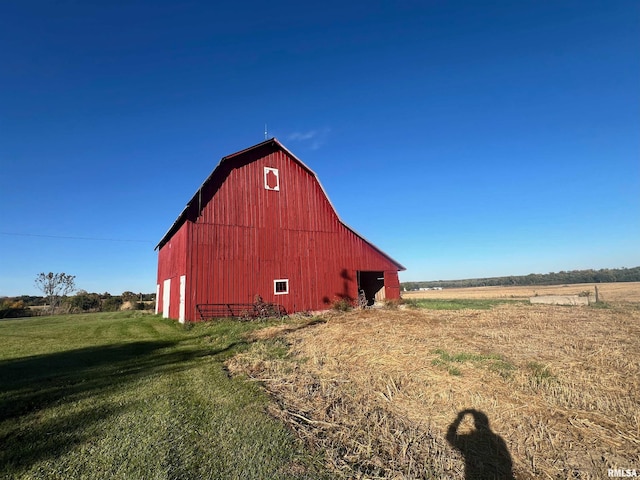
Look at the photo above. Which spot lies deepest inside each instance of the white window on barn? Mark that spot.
(281, 287)
(271, 179)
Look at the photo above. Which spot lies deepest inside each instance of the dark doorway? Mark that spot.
(371, 283)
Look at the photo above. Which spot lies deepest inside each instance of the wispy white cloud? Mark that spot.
(313, 138)
(301, 136)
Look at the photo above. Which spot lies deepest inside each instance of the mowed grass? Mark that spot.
(134, 396)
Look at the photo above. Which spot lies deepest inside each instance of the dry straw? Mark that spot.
(378, 390)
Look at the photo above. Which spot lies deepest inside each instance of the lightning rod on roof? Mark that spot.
(265, 131)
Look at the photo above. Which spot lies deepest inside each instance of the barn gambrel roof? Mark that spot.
(219, 174)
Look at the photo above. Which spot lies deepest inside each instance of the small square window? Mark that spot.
(281, 287)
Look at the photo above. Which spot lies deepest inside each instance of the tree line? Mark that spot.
(604, 275)
(57, 288)
(81, 302)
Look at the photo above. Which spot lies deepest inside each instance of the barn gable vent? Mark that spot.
(271, 179)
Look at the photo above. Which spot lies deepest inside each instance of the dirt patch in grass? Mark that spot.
(432, 393)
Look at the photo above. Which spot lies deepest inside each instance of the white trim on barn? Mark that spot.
(183, 293)
(281, 286)
(271, 179)
(157, 297)
(166, 297)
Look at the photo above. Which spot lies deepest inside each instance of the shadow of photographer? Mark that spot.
(485, 453)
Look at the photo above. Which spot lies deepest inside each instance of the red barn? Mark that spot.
(262, 224)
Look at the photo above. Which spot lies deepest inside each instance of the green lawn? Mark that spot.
(458, 303)
(134, 396)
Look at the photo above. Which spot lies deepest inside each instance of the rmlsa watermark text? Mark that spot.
(622, 472)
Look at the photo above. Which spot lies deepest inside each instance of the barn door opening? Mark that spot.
(372, 284)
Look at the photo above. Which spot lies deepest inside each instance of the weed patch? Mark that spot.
(540, 374)
(493, 362)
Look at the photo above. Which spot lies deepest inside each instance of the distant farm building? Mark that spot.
(262, 224)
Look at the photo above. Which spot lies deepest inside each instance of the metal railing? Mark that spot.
(241, 311)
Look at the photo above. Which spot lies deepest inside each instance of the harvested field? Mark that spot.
(383, 391)
(608, 292)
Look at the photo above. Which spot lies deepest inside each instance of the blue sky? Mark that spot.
(488, 138)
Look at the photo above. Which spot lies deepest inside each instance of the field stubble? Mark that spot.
(608, 292)
(378, 389)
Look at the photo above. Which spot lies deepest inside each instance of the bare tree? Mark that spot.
(54, 286)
